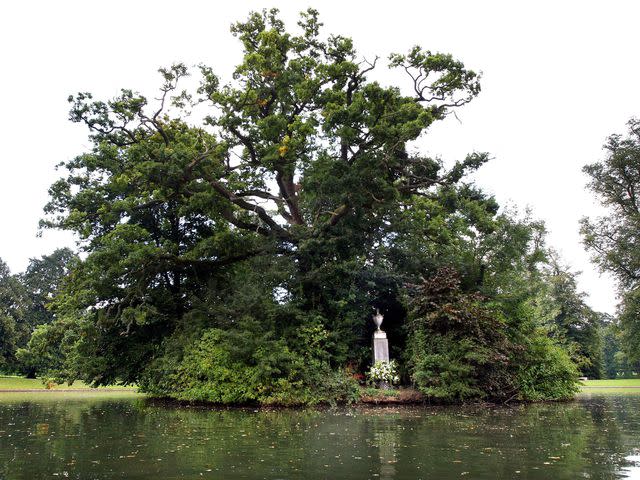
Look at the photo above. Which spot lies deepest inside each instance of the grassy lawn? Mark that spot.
(20, 383)
(626, 386)
(623, 382)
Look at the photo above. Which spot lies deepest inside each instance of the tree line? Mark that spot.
(238, 258)
(613, 239)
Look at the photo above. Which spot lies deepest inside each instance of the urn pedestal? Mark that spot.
(380, 347)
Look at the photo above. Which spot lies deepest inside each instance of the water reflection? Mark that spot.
(385, 439)
(125, 437)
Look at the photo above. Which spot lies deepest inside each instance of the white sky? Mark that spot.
(558, 78)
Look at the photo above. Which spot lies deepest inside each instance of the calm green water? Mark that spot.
(122, 436)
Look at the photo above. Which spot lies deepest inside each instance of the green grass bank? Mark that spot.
(612, 386)
(21, 384)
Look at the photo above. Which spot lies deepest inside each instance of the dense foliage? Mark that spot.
(24, 306)
(240, 259)
(458, 347)
(570, 320)
(462, 346)
(613, 239)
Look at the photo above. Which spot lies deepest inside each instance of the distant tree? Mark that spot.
(575, 322)
(616, 363)
(42, 279)
(14, 303)
(614, 240)
(630, 328)
(40, 282)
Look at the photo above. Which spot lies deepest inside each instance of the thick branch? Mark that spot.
(287, 190)
(337, 215)
(240, 202)
(228, 215)
(260, 194)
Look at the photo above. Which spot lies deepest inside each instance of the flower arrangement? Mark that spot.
(384, 372)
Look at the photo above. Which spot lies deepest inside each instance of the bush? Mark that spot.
(457, 349)
(546, 371)
(463, 348)
(245, 366)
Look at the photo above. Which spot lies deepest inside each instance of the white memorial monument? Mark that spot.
(380, 342)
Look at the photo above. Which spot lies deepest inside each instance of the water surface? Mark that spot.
(109, 436)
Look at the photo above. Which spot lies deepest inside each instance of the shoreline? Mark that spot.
(403, 397)
(67, 390)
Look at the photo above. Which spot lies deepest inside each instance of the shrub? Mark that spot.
(546, 371)
(462, 347)
(457, 349)
(245, 366)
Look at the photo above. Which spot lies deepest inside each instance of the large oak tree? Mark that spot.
(299, 156)
(237, 235)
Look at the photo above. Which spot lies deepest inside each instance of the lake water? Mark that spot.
(109, 436)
